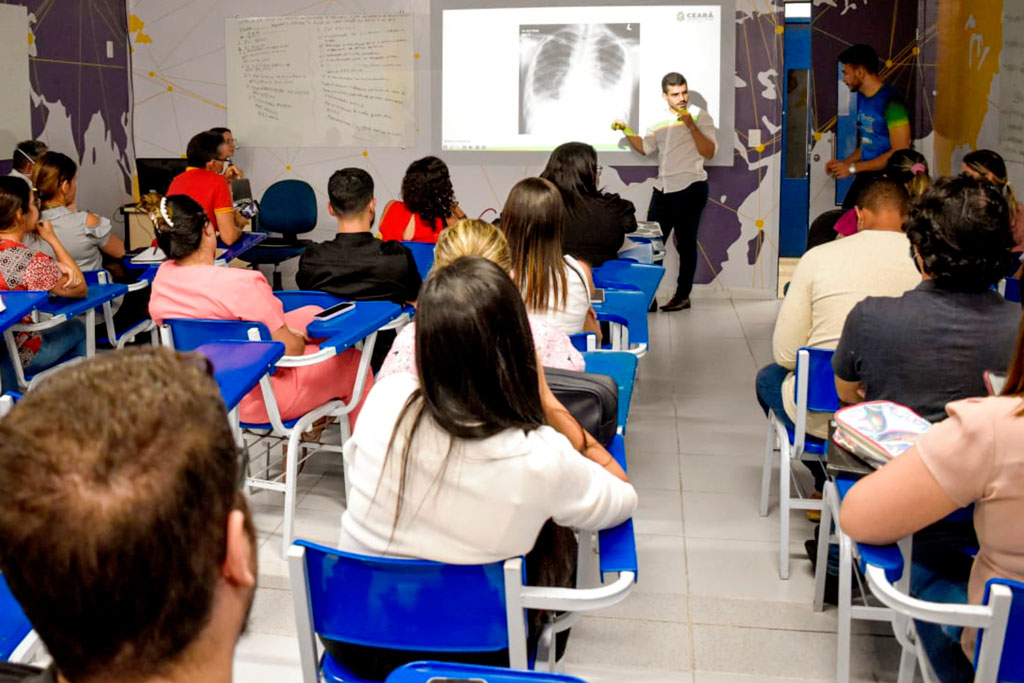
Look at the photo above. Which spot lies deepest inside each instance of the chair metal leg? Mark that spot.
(290, 477)
(766, 468)
(784, 510)
(845, 609)
(908, 666)
(824, 539)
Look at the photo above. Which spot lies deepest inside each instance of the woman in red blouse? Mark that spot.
(24, 268)
(428, 204)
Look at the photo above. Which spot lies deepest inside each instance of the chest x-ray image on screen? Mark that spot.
(566, 70)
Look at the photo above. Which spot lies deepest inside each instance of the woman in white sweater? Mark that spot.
(460, 466)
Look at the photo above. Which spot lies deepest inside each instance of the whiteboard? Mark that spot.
(15, 105)
(1011, 93)
(321, 81)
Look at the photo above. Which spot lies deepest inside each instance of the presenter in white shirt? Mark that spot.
(683, 142)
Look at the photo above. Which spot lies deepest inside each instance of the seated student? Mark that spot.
(231, 172)
(971, 457)
(85, 235)
(988, 165)
(25, 268)
(203, 181)
(471, 237)
(555, 286)
(355, 264)
(908, 168)
(596, 222)
(828, 281)
(932, 345)
(189, 285)
(23, 159)
(481, 473)
(125, 538)
(428, 204)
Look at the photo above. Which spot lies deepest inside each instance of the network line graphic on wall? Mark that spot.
(566, 69)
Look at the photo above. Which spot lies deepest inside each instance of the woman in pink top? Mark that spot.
(974, 456)
(189, 285)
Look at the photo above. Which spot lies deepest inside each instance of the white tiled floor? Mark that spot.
(709, 606)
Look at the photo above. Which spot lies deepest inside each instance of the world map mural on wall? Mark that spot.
(743, 198)
(78, 72)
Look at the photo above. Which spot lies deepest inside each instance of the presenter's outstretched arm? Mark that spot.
(634, 140)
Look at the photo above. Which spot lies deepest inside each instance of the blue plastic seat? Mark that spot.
(626, 311)
(288, 208)
(135, 328)
(815, 390)
(622, 368)
(14, 625)
(646, 277)
(423, 254)
(1011, 289)
(427, 672)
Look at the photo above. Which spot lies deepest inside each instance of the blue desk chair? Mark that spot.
(339, 334)
(52, 311)
(997, 656)
(1010, 289)
(423, 254)
(436, 672)
(615, 274)
(16, 306)
(288, 208)
(626, 312)
(113, 339)
(18, 642)
(621, 367)
(433, 607)
(815, 390)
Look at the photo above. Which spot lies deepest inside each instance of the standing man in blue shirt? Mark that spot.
(883, 125)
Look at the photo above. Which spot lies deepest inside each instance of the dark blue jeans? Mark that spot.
(939, 574)
(769, 394)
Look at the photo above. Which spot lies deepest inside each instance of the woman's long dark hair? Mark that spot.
(15, 196)
(572, 167)
(181, 235)
(476, 361)
(427, 191)
(533, 220)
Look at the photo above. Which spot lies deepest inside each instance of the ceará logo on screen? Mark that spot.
(695, 16)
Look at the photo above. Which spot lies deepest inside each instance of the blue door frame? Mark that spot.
(794, 187)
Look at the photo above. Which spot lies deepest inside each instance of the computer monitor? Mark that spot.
(155, 175)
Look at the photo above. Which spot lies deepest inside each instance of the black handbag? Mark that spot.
(592, 399)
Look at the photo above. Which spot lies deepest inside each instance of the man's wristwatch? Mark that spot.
(853, 169)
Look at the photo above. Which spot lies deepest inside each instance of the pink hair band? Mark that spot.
(918, 168)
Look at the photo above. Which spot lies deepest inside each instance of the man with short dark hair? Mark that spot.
(683, 142)
(204, 181)
(883, 124)
(125, 537)
(355, 264)
(23, 159)
(827, 282)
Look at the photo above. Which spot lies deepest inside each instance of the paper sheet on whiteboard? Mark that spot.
(1011, 85)
(15, 105)
(321, 81)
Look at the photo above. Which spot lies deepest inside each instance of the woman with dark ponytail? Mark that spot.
(189, 285)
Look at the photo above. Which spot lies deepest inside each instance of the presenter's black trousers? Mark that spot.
(680, 212)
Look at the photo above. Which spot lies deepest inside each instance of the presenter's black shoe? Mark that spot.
(677, 303)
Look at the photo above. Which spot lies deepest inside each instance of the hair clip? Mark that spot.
(918, 168)
(163, 212)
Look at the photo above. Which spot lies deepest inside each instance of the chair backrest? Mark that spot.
(646, 277)
(14, 625)
(190, 334)
(288, 207)
(436, 672)
(406, 604)
(627, 308)
(1011, 666)
(821, 380)
(423, 254)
